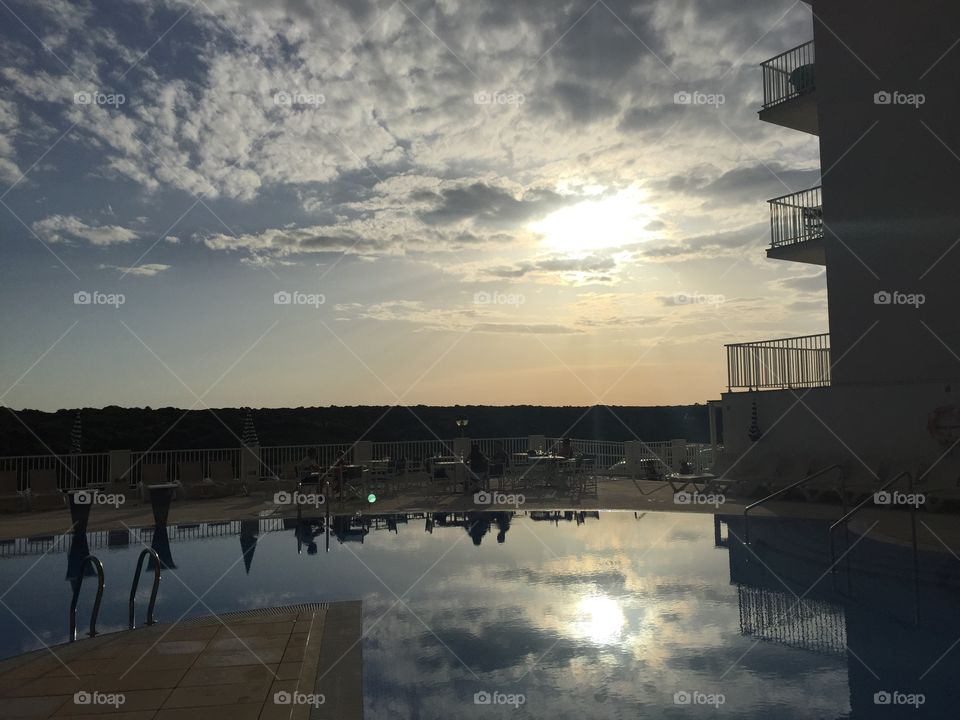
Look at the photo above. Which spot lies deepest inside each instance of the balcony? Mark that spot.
(788, 363)
(789, 90)
(796, 227)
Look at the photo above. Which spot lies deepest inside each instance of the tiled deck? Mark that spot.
(229, 667)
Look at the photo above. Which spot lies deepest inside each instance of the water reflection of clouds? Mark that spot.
(604, 619)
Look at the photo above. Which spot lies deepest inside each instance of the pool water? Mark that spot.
(559, 615)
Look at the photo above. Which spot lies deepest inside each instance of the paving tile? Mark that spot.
(228, 674)
(255, 643)
(240, 657)
(232, 694)
(249, 711)
(271, 628)
(133, 700)
(33, 707)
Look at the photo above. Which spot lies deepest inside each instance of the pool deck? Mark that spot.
(612, 494)
(235, 666)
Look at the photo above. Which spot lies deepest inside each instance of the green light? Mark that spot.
(371, 498)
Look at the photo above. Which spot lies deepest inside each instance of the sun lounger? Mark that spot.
(195, 485)
(11, 499)
(44, 493)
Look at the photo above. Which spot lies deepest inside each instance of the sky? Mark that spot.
(234, 202)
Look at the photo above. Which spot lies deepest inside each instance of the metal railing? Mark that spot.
(72, 470)
(152, 554)
(86, 470)
(796, 218)
(788, 75)
(797, 362)
(841, 490)
(78, 585)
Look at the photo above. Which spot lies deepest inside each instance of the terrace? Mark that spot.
(783, 364)
(424, 471)
(789, 90)
(796, 227)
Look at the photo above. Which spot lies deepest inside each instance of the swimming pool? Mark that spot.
(559, 615)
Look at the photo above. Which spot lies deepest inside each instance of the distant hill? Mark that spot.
(116, 428)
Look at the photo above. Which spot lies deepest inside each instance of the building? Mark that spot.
(879, 392)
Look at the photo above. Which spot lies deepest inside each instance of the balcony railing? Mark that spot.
(797, 362)
(788, 75)
(796, 218)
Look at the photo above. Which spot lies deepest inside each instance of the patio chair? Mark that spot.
(11, 499)
(221, 473)
(288, 480)
(44, 493)
(497, 474)
(194, 484)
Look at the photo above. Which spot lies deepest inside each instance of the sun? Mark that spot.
(599, 618)
(608, 221)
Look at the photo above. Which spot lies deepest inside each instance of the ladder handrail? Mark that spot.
(136, 581)
(846, 517)
(98, 566)
(783, 490)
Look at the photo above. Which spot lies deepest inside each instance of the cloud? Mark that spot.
(527, 329)
(145, 270)
(488, 205)
(743, 184)
(68, 228)
(805, 284)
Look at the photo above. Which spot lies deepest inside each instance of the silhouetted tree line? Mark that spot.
(115, 428)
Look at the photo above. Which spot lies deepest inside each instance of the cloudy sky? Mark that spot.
(310, 202)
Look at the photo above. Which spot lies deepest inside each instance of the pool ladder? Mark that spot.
(94, 613)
